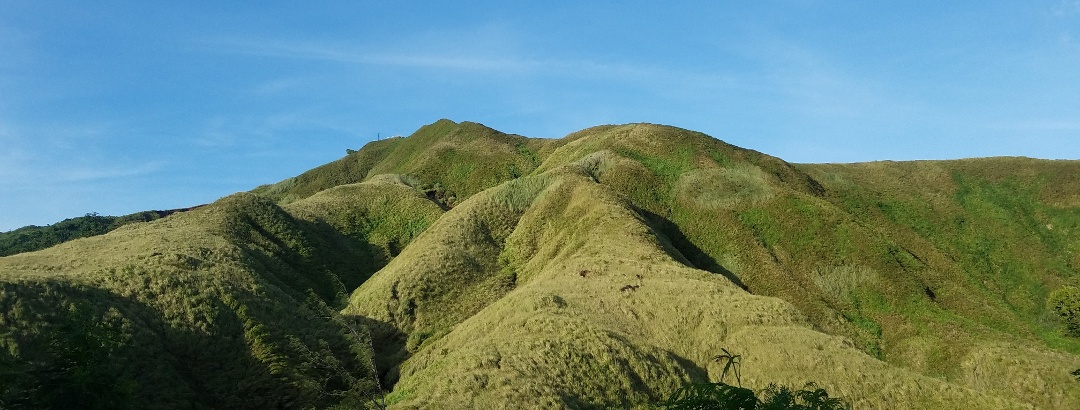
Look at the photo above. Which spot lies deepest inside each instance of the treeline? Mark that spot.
(33, 238)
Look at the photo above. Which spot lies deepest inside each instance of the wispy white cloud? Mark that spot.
(519, 73)
(13, 157)
(62, 153)
(1066, 8)
(15, 46)
(224, 132)
(814, 83)
(214, 134)
(26, 169)
(9, 165)
(484, 48)
(1044, 125)
(419, 58)
(22, 171)
(96, 173)
(281, 85)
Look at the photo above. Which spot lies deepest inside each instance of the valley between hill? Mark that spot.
(462, 267)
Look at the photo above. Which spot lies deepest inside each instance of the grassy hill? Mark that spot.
(449, 161)
(461, 267)
(230, 305)
(33, 238)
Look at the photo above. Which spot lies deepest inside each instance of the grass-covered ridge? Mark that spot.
(32, 238)
(604, 269)
(777, 232)
(449, 160)
(231, 305)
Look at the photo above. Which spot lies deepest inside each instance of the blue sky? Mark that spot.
(117, 107)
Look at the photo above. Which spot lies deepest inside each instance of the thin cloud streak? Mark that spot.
(318, 52)
(1041, 126)
(21, 176)
(800, 81)
(97, 174)
(495, 63)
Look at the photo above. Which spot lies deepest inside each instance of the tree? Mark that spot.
(1065, 301)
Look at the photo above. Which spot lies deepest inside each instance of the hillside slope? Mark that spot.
(229, 305)
(567, 298)
(603, 269)
(766, 225)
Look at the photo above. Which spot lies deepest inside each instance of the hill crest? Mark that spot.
(477, 268)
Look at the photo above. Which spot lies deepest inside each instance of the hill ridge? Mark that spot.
(468, 267)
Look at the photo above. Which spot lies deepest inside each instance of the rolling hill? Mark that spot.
(34, 238)
(462, 267)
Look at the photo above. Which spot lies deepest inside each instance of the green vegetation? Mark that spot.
(32, 238)
(461, 267)
(234, 304)
(722, 396)
(448, 160)
(1066, 303)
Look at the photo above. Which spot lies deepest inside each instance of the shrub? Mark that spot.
(1065, 301)
(723, 396)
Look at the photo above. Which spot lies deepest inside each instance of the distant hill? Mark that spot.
(461, 267)
(32, 238)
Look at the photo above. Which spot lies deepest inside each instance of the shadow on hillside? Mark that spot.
(350, 256)
(683, 250)
(300, 256)
(84, 347)
(388, 345)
